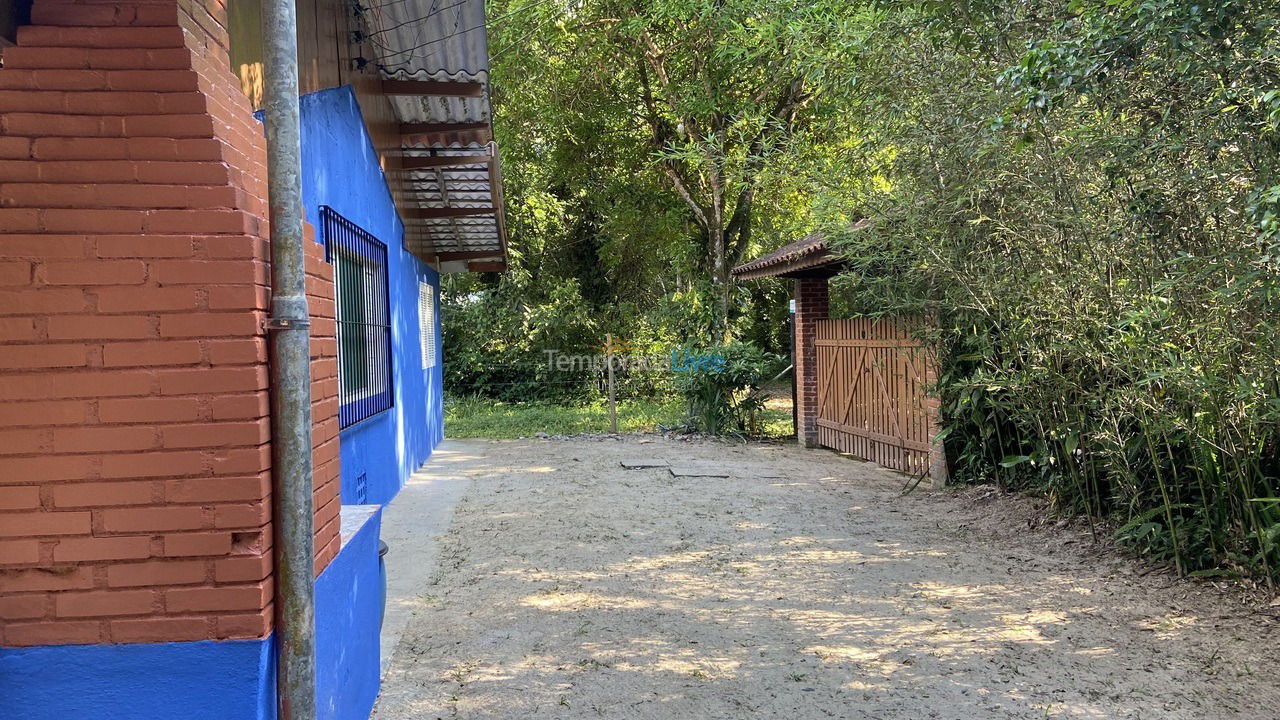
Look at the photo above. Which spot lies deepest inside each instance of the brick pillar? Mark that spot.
(134, 430)
(939, 471)
(811, 297)
(324, 404)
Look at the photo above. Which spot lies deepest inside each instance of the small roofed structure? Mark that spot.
(861, 384)
(811, 262)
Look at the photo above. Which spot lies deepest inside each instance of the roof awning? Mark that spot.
(434, 59)
(810, 256)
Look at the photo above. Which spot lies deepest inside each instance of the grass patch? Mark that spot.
(777, 423)
(476, 417)
(482, 417)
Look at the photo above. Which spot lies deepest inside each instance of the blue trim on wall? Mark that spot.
(341, 169)
(231, 680)
(348, 623)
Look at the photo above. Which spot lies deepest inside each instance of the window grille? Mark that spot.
(362, 489)
(427, 324)
(364, 317)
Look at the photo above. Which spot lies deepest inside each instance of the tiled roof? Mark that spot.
(809, 252)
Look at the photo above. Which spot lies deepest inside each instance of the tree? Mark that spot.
(706, 94)
(1083, 196)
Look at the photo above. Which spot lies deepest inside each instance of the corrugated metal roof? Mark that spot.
(441, 109)
(443, 41)
(423, 39)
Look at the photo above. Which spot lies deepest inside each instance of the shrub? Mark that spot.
(1090, 212)
(720, 385)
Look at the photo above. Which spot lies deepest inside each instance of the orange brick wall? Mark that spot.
(812, 299)
(134, 415)
(324, 403)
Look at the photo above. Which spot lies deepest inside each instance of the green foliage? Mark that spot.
(604, 111)
(720, 385)
(496, 339)
(1084, 196)
(657, 140)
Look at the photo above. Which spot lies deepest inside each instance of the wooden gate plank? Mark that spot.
(872, 392)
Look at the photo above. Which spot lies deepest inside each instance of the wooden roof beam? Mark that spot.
(495, 188)
(468, 254)
(448, 212)
(438, 88)
(419, 162)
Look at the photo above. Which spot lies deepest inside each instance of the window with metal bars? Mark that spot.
(364, 317)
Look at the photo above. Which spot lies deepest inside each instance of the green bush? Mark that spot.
(1089, 211)
(496, 340)
(720, 385)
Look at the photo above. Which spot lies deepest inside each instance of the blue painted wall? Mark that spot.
(348, 624)
(232, 680)
(340, 169)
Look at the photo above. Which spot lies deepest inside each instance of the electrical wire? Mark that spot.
(412, 51)
(429, 43)
(372, 36)
(415, 20)
(430, 12)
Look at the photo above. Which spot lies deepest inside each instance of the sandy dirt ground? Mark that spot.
(803, 586)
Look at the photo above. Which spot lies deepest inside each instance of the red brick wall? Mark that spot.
(134, 414)
(811, 295)
(324, 403)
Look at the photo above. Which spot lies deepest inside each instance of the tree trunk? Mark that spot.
(724, 294)
(720, 265)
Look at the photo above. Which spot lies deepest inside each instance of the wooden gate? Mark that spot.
(872, 400)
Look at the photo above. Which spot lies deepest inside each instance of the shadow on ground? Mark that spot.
(802, 586)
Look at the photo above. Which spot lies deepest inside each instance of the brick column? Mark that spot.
(939, 471)
(324, 404)
(134, 431)
(811, 297)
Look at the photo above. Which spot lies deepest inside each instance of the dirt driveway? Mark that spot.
(803, 586)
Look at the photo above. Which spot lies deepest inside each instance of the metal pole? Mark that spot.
(613, 408)
(290, 371)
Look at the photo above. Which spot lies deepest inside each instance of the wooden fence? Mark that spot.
(872, 401)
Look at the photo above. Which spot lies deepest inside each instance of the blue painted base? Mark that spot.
(348, 623)
(231, 680)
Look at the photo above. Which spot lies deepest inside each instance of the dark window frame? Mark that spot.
(362, 306)
(13, 14)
